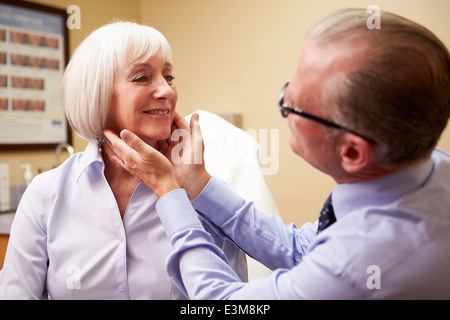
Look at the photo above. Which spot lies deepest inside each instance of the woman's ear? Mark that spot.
(355, 153)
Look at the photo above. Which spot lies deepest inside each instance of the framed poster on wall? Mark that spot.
(33, 55)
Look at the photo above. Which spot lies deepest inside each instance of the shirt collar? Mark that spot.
(90, 155)
(348, 197)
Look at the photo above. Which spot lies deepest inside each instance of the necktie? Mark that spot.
(326, 217)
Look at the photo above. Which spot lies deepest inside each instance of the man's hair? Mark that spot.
(88, 81)
(396, 86)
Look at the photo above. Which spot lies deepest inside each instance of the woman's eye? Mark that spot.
(141, 79)
(169, 78)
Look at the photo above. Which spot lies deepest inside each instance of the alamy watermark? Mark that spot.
(374, 20)
(74, 18)
(374, 280)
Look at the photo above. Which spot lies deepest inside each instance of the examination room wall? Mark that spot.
(234, 56)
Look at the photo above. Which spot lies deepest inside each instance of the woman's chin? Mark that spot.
(153, 139)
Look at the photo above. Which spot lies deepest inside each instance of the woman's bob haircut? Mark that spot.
(88, 81)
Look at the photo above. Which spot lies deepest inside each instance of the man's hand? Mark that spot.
(186, 154)
(143, 161)
(180, 164)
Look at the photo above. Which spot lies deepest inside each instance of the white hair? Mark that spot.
(88, 80)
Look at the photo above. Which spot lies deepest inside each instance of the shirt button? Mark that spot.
(120, 287)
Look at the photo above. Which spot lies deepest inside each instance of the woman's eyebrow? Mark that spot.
(140, 66)
(168, 65)
(136, 68)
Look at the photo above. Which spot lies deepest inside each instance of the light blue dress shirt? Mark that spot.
(391, 241)
(69, 241)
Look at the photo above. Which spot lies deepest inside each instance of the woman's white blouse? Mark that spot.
(68, 240)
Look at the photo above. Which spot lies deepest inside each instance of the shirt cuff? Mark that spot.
(176, 212)
(217, 202)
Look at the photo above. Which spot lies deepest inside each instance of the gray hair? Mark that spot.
(396, 88)
(88, 81)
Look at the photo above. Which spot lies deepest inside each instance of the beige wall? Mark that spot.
(234, 56)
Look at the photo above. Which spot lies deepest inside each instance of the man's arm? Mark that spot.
(202, 271)
(264, 237)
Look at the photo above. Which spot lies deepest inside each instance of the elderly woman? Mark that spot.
(88, 229)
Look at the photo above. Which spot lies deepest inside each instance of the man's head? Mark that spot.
(390, 84)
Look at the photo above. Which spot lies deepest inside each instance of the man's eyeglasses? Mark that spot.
(286, 109)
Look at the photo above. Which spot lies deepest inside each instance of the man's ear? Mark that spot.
(355, 153)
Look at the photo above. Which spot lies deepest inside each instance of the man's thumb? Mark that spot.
(133, 141)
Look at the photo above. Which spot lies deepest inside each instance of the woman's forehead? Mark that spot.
(147, 62)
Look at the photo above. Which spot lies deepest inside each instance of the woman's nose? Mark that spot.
(163, 90)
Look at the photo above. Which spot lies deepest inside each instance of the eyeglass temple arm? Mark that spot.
(330, 124)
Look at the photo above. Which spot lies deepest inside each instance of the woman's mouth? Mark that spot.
(159, 112)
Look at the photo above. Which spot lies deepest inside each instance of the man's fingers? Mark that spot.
(127, 147)
(118, 161)
(116, 143)
(163, 146)
(197, 139)
(195, 126)
(179, 121)
(133, 141)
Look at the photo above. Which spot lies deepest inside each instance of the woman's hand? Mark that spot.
(180, 162)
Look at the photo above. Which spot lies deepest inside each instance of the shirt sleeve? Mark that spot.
(263, 237)
(24, 271)
(202, 271)
(194, 254)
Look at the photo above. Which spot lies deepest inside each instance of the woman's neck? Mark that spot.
(121, 182)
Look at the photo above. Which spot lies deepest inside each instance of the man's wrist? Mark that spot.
(195, 186)
(166, 188)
